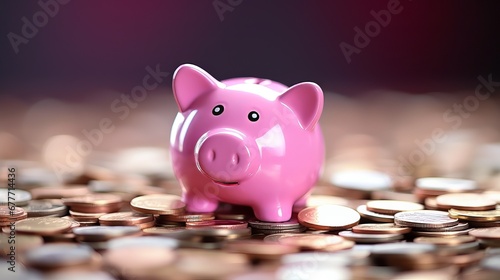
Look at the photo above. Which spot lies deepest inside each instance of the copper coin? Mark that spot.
(76, 214)
(466, 201)
(104, 233)
(310, 241)
(486, 233)
(6, 213)
(94, 203)
(376, 217)
(145, 225)
(380, 228)
(328, 217)
(392, 206)
(17, 196)
(222, 224)
(260, 249)
(164, 204)
(58, 255)
(370, 237)
(186, 217)
(293, 223)
(43, 225)
(445, 240)
(124, 219)
(424, 219)
(477, 216)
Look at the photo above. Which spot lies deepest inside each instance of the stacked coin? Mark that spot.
(127, 219)
(45, 207)
(414, 240)
(488, 218)
(161, 204)
(291, 226)
(375, 233)
(328, 217)
(10, 215)
(94, 203)
(181, 218)
(383, 210)
(86, 219)
(431, 223)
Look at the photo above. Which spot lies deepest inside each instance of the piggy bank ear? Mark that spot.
(306, 101)
(190, 82)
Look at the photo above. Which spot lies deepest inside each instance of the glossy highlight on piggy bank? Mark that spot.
(245, 141)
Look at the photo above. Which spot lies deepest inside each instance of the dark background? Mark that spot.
(429, 46)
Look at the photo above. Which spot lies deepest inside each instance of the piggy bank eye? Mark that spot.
(217, 110)
(253, 116)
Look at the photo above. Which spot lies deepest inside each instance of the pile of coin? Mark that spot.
(9, 215)
(46, 207)
(291, 226)
(153, 237)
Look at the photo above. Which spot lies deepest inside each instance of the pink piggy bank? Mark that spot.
(245, 141)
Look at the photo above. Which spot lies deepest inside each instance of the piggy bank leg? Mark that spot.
(280, 212)
(197, 202)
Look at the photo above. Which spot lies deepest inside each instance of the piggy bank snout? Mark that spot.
(227, 157)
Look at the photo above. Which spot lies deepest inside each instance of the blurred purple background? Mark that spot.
(428, 46)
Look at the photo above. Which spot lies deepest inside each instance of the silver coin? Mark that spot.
(40, 208)
(293, 223)
(17, 197)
